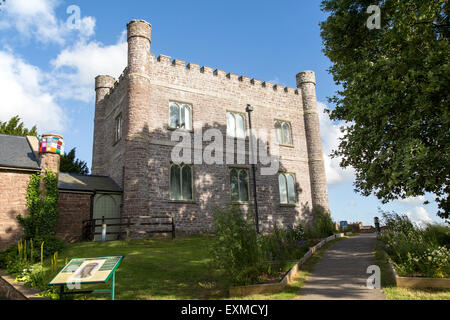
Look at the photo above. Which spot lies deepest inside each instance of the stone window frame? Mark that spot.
(285, 174)
(239, 168)
(180, 104)
(291, 138)
(118, 128)
(245, 124)
(181, 165)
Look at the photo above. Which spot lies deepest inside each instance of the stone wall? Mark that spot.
(143, 94)
(13, 190)
(73, 208)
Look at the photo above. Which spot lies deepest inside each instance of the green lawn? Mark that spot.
(156, 268)
(164, 269)
(393, 292)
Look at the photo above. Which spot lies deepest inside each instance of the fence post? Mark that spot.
(128, 229)
(173, 229)
(93, 221)
(103, 229)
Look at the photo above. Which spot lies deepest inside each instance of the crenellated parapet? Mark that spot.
(167, 62)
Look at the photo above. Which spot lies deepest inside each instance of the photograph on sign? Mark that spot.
(87, 270)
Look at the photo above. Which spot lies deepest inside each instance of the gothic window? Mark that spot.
(181, 182)
(235, 125)
(286, 183)
(283, 132)
(180, 116)
(118, 128)
(239, 185)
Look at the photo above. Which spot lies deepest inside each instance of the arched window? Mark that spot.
(235, 125)
(181, 182)
(283, 132)
(118, 128)
(180, 116)
(286, 183)
(239, 185)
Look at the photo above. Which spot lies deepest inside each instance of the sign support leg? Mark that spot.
(113, 285)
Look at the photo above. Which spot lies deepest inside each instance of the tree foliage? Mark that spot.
(69, 164)
(15, 127)
(394, 95)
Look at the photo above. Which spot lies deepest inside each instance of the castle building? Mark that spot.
(137, 116)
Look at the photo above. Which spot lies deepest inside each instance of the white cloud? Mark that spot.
(412, 201)
(36, 19)
(25, 92)
(419, 215)
(75, 68)
(330, 134)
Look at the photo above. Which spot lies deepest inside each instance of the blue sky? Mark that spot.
(47, 69)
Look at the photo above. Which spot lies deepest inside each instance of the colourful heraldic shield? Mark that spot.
(52, 144)
(87, 270)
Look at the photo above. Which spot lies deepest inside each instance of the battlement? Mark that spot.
(168, 62)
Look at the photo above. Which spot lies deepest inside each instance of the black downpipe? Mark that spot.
(249, 110)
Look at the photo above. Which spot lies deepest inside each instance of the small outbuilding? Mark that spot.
(81, 197)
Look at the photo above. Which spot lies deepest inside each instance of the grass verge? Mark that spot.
(393, 292)
(155, 269)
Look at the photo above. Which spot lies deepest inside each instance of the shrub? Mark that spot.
(235, 247)
(7, 255)
(323, 226)
(438, 234)
(282, 246)
(43, 208)
(413, 251)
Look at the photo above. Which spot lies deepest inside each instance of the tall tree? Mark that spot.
(16, 128)
(69, 164)
(394, 94)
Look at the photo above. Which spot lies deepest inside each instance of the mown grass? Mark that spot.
(393, 292)
(164, 269)
(155, 269)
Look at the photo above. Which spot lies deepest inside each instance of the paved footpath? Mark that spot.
(341, 272)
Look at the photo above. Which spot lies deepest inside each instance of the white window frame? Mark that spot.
(181, 166)
(180, 106)
(234, 135)
(280, 139)
(238, 170)
(118, 128)
(286, 174)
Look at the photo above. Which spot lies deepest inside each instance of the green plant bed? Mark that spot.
(277, 277)
(392, 292)
(292, 290)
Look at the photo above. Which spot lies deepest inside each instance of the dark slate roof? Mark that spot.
(16, 153)
(76, 182)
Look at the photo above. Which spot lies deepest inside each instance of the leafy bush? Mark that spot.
(7, 255)
(323, 226)
(235, 247)
(52, 244)
(43, 208)
(413, 251)
(438, 234)
(246, 256)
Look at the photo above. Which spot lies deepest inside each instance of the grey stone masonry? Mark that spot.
(140, 160)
